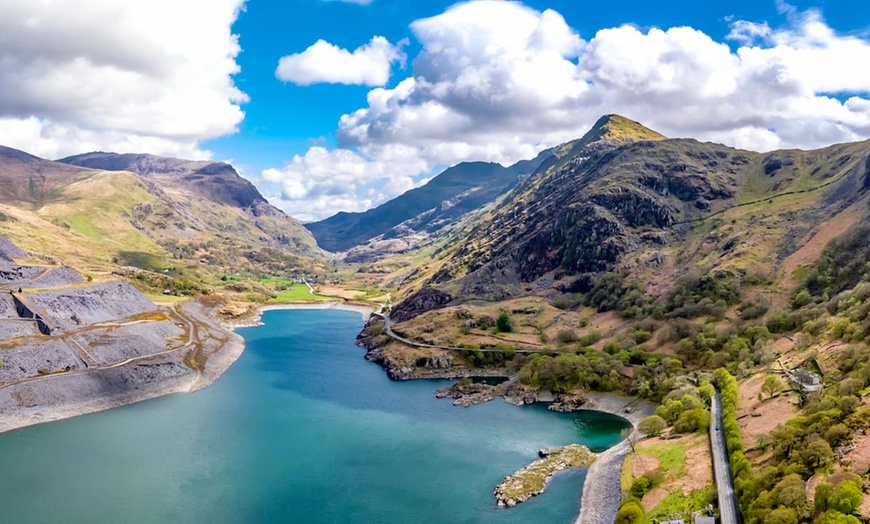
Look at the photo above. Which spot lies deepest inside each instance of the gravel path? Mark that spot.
(602, 492)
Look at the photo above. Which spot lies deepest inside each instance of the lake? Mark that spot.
(300, 429)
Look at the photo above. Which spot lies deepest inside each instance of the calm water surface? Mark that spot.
(300, 429)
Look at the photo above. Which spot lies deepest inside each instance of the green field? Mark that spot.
(298, 293)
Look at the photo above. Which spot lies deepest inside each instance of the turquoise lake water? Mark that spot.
(299, 429)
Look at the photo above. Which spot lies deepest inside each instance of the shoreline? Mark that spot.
(600, 496)
(67, 395)
(254, 319)
(602, 493)
(63, 396)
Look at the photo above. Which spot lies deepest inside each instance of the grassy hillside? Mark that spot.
(183, 231)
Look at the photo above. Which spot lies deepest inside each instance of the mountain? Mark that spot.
(217, 181)
(622, 199)
(103, 210)
(424, 210)
(30, 179)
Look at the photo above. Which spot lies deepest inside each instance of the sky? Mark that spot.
(340, 105)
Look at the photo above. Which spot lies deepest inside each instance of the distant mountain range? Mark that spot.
(425, 210)
(102, 210)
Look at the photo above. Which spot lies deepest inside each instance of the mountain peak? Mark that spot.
(617, 128)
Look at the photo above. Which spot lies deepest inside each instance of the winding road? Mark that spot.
(721, 466)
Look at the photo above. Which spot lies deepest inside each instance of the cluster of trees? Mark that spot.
(692, 296)
(800, 448)
(686, 409)
(475, 357)
(589, 369)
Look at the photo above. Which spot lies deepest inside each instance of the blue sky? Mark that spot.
(283, 119)
(377, 96)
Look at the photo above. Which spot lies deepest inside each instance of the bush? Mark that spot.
(589, 339)
(566, 336)
(640, 487)
(693, 420)
(629, 513)
(503, 323)
(652, 426)
(781, 322)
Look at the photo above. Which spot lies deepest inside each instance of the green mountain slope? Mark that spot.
(177, 213)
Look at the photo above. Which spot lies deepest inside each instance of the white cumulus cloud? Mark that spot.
(497, 80)
(323, 62)
(138, 75)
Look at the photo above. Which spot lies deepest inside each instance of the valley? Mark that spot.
(621, 263)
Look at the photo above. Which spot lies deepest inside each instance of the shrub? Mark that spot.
(566, 336)
(780, 322)
(503, 323)
(629, 513)
(589, 339)
(640, 487)
(652, 426)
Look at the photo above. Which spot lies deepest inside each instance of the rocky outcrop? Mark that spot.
(8, 250)
(424, 300)
(566, 403)
(531, 480)
(466, 393)
(393, 371)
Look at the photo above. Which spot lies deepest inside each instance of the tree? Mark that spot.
(846, 497)
(652, 426)
(835, 517)
(692, 420)
(820, 500)
(816, 454)
(503, 323)
(790, 492)
(781, 516)
(771, 386)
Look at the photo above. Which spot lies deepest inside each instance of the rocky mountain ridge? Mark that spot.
(624, 199)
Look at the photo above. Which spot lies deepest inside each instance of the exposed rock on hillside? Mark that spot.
(424, 300)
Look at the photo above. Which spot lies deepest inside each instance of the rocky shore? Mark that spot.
(532, 479)
(601, 491)
(467, 393)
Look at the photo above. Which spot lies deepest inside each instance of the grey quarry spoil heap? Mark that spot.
(68, 346)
